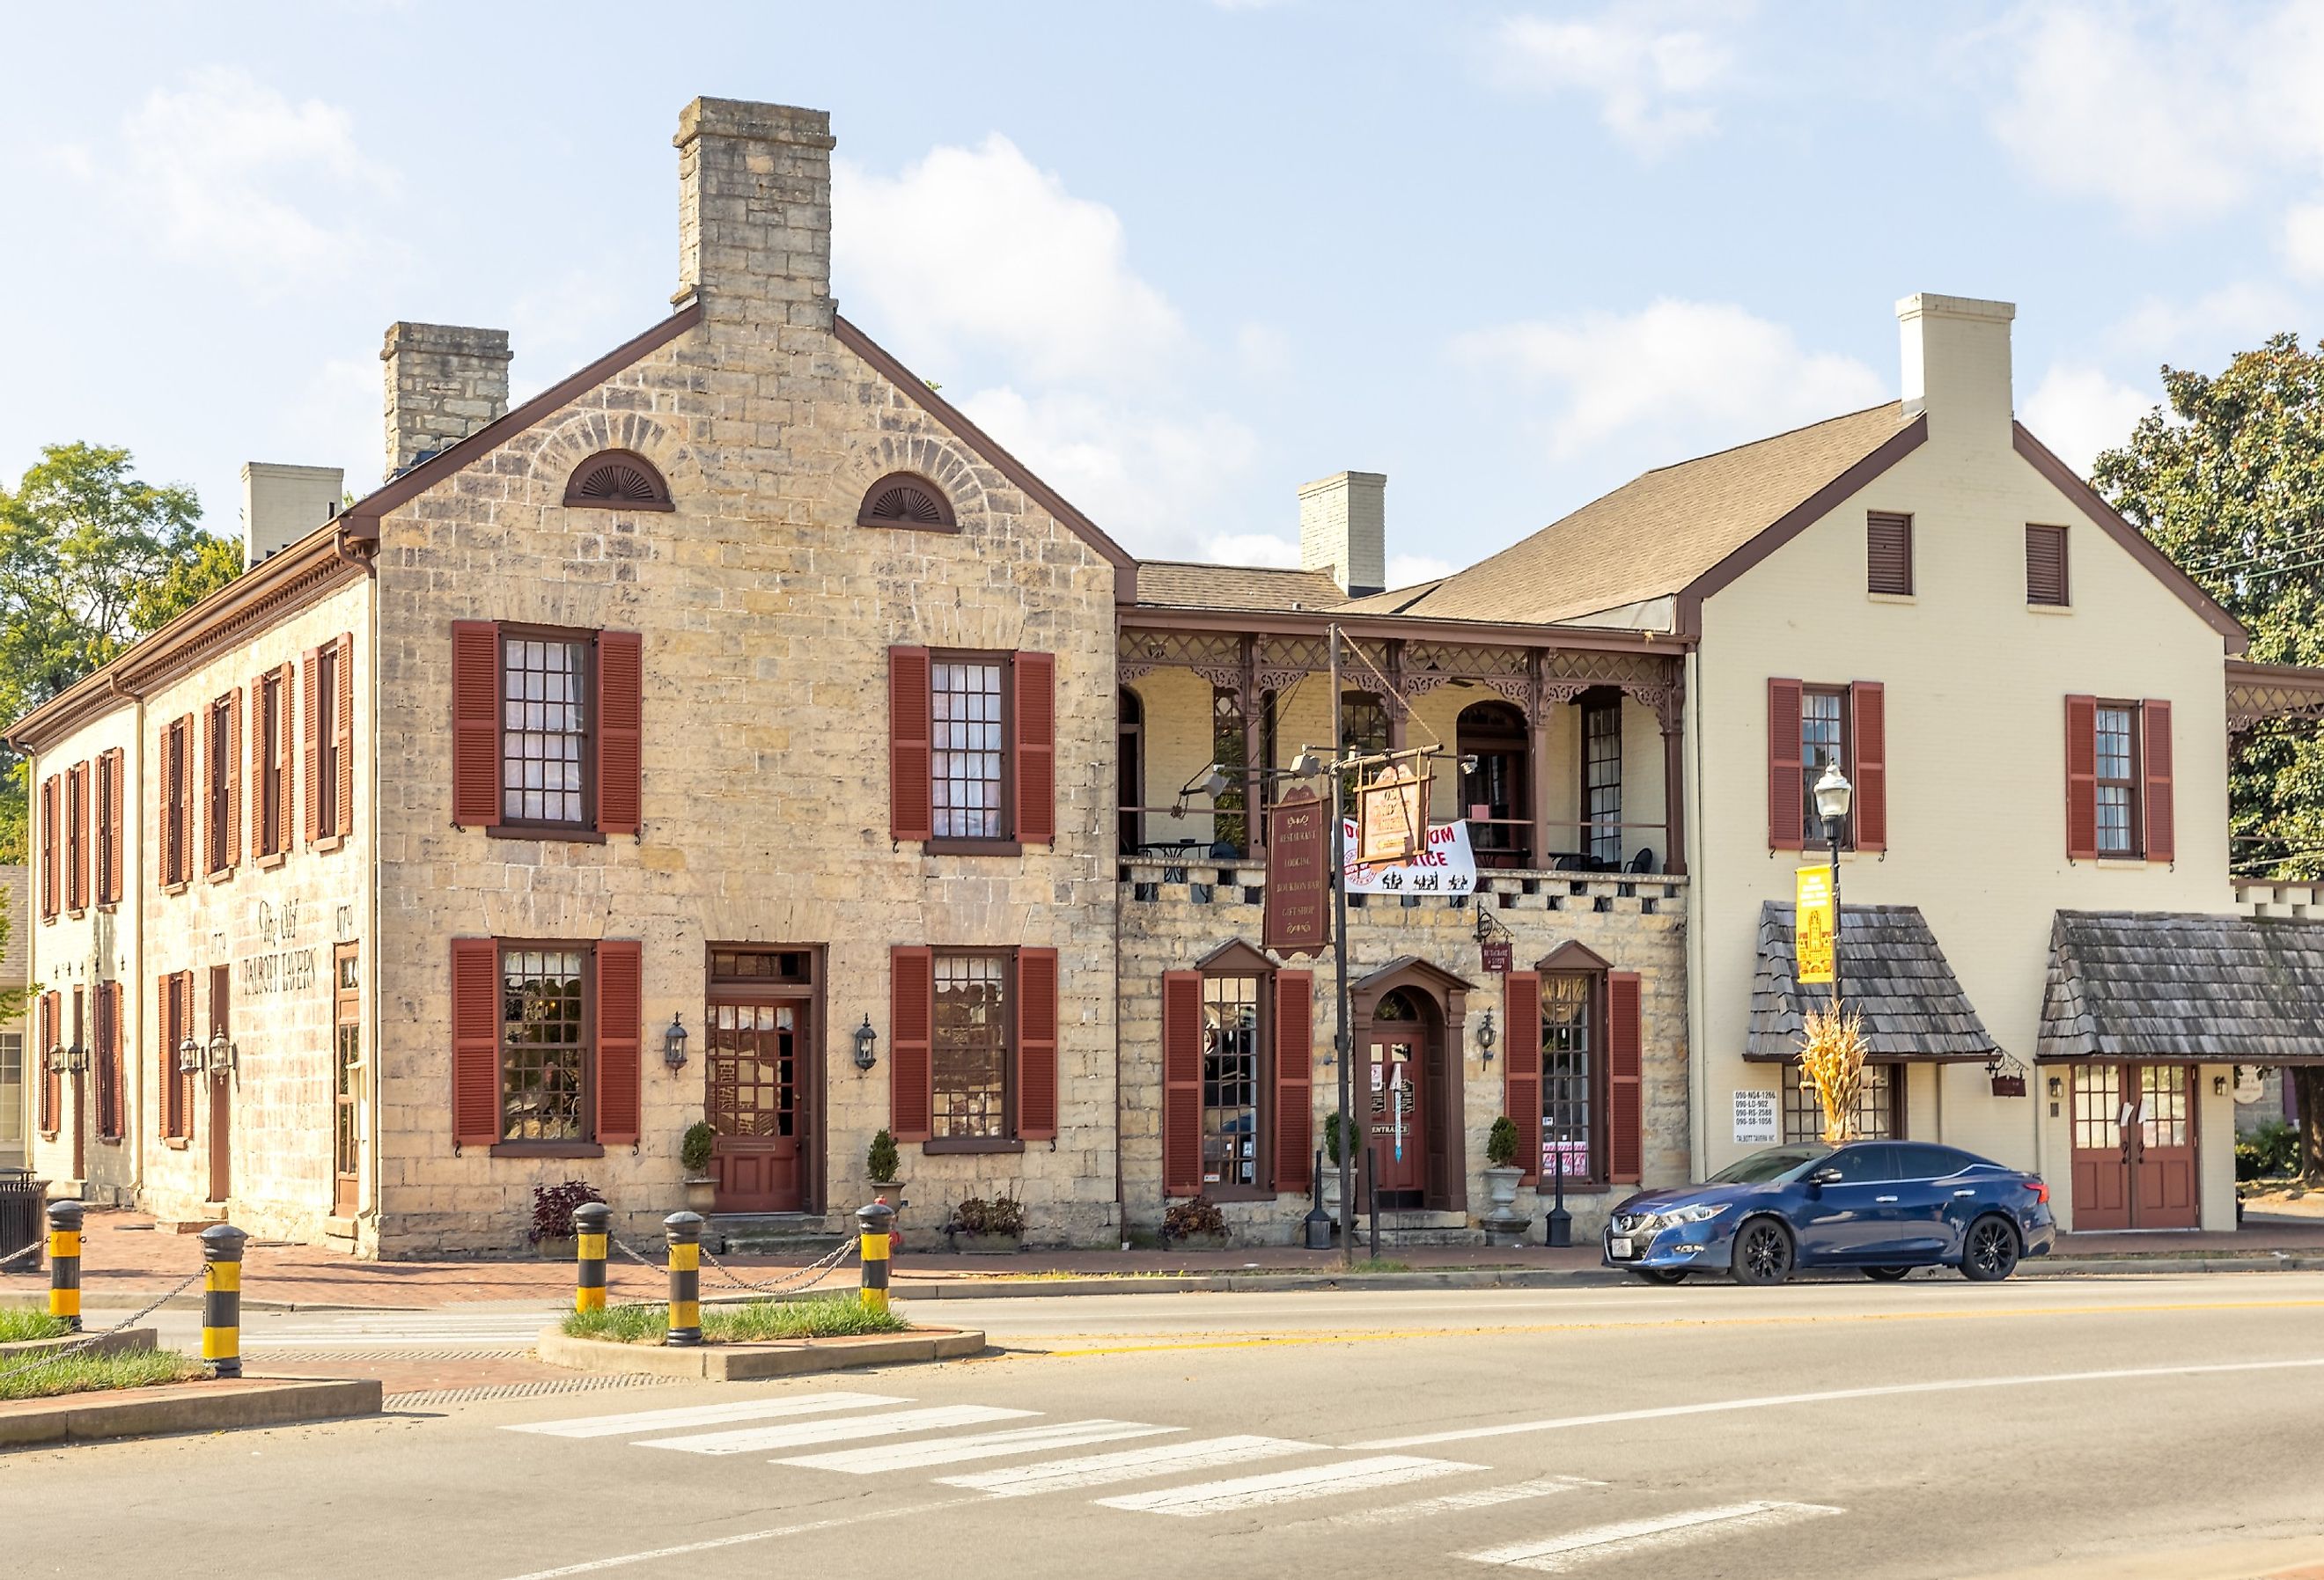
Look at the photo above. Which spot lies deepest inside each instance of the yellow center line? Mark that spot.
(1375, 1335)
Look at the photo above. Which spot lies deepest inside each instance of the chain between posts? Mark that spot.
(798, 1281)
(62, 1352)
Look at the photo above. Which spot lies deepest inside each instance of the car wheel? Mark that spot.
(1661, 1275)
(1763, 1253)
(1989, 1251)
(1886, 1275)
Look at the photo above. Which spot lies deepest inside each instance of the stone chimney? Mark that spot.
(754, 212)
(1957, 366)
(282, 504)
(1343, 529)
(443, 383)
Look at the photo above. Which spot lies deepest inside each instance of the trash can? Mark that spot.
(23, 1223)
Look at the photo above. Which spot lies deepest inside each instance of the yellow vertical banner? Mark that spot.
(1814, 921)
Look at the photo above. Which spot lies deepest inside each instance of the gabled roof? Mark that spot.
(1185, 585)
(1891, 972)
(2229, 989)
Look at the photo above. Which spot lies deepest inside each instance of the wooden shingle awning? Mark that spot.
(1892, 973)
(2202, 989)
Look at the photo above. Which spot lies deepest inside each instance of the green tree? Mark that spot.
(91, 559)
(2230, 484)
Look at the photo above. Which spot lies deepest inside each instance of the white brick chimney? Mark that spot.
(754, 212)
(282, 504)
(444, 382)
(1343, 529)
(1957, 366)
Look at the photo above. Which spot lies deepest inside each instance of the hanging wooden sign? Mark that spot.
(1298, 918)
(1391, 816)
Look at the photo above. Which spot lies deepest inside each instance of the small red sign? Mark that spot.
(1299, 874)
(1497, 956)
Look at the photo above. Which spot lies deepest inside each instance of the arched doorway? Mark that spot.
(1409, 1077)
(1496, 794)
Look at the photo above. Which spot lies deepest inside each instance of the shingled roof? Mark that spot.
(1892, 973)
(1182, 585)
(2229, 989)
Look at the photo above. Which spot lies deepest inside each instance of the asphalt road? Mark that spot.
(2164, 1427)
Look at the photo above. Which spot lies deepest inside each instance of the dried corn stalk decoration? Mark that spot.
(1832, 1065)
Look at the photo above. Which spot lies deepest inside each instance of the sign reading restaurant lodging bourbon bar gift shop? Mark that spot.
(1299, 874)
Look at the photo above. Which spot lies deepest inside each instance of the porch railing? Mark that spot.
(1208, 880)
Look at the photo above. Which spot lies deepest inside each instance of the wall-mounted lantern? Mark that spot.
(867, 1045)
(673, 1043)
(77, 1059)
(190, 1055)
(56, 1057)
(1486, 1037)
(223, 1056)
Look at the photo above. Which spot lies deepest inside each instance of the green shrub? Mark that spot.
(693, 1152)
(881, 1161)
(2270, 1152)
(1501, 1143)
(1003, 1214)
(1332, 1126)
(1186, 1219)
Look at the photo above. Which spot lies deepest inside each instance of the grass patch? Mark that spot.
(87, 1374)
(1380, 1264)
(822, 1317)
(19, 1323)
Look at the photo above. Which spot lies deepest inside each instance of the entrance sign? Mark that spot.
(1447, 867)
(1298, 918)
(1814, 921)
(1392, 813)
(1757, 1122)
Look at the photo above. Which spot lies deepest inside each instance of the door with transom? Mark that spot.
(2134, 1153)
(1398, 1133)
(761, 1025)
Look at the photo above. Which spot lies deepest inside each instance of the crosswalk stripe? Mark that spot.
(889, 1456)
(639, 1422)
(1130, 1465)
(750, 1440)
(1454, 1502)
(1558, 1555)
(1287, 1486)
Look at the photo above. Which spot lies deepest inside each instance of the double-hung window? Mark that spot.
(1813, 728)
(2117, 779)
(1233, 1078)
(546, 1037)
(968, 745)
(546, 728)
(972, 750)
(270, 810)
(974, 1067)
(544, 1043)
(1573, 1075)
(969, 1058)
(545, 716)
(222, 784)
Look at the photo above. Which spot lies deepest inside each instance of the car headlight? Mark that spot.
(1694, 1215)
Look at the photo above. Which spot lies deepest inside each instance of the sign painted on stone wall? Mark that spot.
(285, 971)
(1298, 875)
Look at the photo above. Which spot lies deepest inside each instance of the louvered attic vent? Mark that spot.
(904, 500)
(617, 480)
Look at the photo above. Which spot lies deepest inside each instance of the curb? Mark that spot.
(750, 1363)
(185, 1406)
(117, 1343)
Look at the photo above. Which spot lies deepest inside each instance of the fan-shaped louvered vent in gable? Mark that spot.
(617, 480)
(908, 502)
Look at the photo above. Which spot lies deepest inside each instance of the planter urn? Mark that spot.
(1503, 1223)
(701, 1194)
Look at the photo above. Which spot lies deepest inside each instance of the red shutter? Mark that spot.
(77, 838)
(2083, 778)
(165, 1082)
(343, 735)
(1036, 1044)
(311, 748)
(475, 723)
(620, 721)
(2162, 840)
(1182, 1083)
(286, 697)
(912, 1017)
(1521, 1066)
(49, 846)
(621, 1017)
(52, 1082)
(475, 1043)
(108, 1055)
(1625, 1116)
(113, 879)
(1786, 817)
(1870, 699)
(1036, 753)
(233, 777)
(1295, 1075)
(911, 815)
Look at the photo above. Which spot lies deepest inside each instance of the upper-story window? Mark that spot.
(178, 802)
(616, 480)
(329, 741)
(544, 729)
(1363, 723)
(77, 839)
(108, 829)
(51, 858)
(972, 750)
(547, 729)
(908, 501)
(1601, 773)
(2118, 779)
(969, 746)
(1811, 728)
(270, 810)
(222, 784)
(2045, 566)
(1824, 743)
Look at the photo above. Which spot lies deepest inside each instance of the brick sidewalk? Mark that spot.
(123, 1260)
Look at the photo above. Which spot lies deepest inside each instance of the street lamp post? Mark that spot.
(1833, 794)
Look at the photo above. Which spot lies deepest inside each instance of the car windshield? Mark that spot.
(1774, 1163)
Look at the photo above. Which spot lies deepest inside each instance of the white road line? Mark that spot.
(752, 1439)
(638, 1423)
(1099, 1470)
(1454, 1502)
(597, 1566)
(919, 1455)
(1287, 1486)
(1768, 1401)
(1560, 1554)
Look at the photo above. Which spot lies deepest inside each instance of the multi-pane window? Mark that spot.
(11, 1084)
(274, 787)
(544, 1045)
(544, 730)
(323, 675)
(2098, 1107)
(1878, 1117)
(1363, 723)
(1601, 775)
(1569, 1076)
(2117, 779)
(1230, 828)
(1822, 743)
(177, 852)
(969, 1057)
(1230, 1081)
(968, 748)
(219, 797)
(346, 1065)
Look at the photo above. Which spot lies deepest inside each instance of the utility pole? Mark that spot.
(1341, 1038)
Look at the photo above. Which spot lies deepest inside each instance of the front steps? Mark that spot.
(775, 1234)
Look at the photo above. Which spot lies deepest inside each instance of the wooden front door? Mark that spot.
(346, 1067)
(756, 1052)
(2134, 1154)
(1399, 1118)
(218, 1080)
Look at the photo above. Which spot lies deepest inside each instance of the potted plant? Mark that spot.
(884, 1170)
(694, 1156)
(1503, 1223)
(551, 1233)
(1332, 1128)
(1194, 1225)
(987, 1228)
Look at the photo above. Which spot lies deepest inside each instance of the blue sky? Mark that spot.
(1180, 255)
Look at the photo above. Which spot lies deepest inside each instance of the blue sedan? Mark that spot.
(1883, 1207)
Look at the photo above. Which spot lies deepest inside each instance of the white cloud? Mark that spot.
(335, 423)
(1652, 75)
(2078, 410)
(1261, 549)
(234, 175)
(2235, 313)
(1405, 569)
(975, 249)
(2303, 241)
(1263, 351)
(1688, 375)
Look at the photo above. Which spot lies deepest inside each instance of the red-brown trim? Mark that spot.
(1797, 520)
(2062, 478)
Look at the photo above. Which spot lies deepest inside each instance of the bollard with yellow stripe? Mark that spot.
(64, 1262)
(684, 1232)
(222, 1246)
(591, 1221)
(876, 1221)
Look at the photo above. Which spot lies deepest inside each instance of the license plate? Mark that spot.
(1620, 1246)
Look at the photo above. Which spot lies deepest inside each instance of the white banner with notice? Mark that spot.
(1448, 866)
